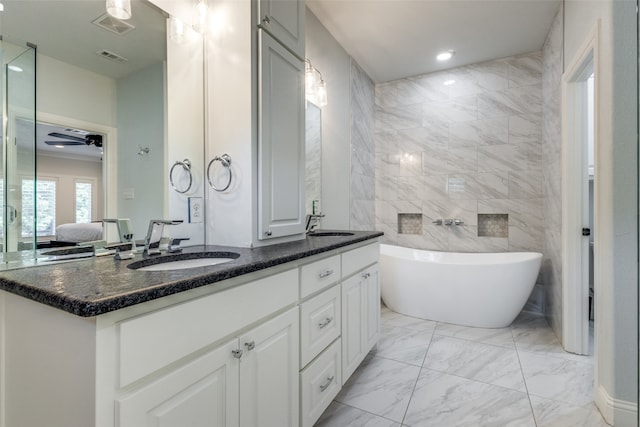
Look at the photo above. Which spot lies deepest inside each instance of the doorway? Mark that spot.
(579, 178)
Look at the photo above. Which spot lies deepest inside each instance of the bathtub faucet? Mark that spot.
(448, 222)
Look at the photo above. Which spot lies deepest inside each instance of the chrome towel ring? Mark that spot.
(225, 159)
(186, 165)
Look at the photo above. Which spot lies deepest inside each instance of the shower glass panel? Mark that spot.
(19, 226)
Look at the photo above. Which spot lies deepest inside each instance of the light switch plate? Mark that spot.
(196, 209)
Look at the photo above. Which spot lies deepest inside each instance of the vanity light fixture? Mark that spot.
(315, 86)
(120, 9)
(445, 56)
(1, 7)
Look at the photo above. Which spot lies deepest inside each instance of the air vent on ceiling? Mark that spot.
(111, 56)
(112, 24)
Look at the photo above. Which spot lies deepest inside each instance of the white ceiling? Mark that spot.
(393, 39)
(63, 29)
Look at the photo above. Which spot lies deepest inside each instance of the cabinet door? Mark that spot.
(372, 307)
(269, 387)
(202, 393)
(353, 310)
(284, 19)
(280, 141)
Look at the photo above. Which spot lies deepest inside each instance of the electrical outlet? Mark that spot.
(196, 209)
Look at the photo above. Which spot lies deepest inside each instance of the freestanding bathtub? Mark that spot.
(485, 290)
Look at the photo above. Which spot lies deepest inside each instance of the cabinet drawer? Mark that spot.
(320, 382)
(152, 341)
(319, 323)
(319, 275)
(360, 258)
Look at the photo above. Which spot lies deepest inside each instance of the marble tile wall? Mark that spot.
(458, 143)
(362, 212)
(552, 55)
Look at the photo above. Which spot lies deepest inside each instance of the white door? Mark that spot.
(269, 366)
(202, 393)
(281, 150)
(353, 300)
(372, 307)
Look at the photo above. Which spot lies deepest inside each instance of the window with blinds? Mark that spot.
(83, 201)
(45, 206)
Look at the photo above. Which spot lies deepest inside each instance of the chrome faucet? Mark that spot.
(154, 235)
(313, 221)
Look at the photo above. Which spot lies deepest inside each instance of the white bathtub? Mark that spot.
(485, 290)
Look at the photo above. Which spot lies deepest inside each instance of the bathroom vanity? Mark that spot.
(266, 339)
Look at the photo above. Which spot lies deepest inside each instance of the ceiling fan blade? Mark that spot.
(64, 143)
(71, 137)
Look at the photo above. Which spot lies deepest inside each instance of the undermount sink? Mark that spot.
(183, 261)
(330, 234)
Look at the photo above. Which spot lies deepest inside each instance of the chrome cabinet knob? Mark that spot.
(266, 20)
(237, 353)
(250, 345)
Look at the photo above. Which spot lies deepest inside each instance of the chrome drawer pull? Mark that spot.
(250, 345)
(326, 274)
(366, 275)
(325, 322)
(323, 387)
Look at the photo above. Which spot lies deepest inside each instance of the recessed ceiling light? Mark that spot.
(444, 56)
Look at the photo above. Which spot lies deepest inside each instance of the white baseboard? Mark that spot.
(620, 413)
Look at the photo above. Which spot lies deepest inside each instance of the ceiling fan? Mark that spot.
(89, 139)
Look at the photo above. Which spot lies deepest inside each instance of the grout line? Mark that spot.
(524, 379)
(419, 373)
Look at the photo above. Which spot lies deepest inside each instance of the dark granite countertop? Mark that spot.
(98, 285)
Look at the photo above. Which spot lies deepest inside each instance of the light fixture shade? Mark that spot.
(309, 78)
(321, 94)
(120, 9)
(201, 17)
(176, 30)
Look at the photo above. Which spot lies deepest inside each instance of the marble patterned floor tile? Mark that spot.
(446, 400)
(532, 333)
(558, 379)
(380, 386)
(549, 413)
(475, 361)
(339, 415)
(410, 322)
(402, 344)
(501, 337)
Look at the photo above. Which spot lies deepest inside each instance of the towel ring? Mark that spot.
(225, 159)
(186, 165)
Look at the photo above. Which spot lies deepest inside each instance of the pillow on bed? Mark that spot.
(79, 232)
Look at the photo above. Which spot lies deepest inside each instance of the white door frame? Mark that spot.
(575, 214)
(109, 161)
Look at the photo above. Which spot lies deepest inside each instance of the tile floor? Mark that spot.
(426, 373)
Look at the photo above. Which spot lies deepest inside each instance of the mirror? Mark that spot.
(313, 150)
(103, 79)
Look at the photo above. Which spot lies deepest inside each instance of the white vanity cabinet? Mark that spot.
(269, 348)
(281, 152)
(248, 381)
(285, 20)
